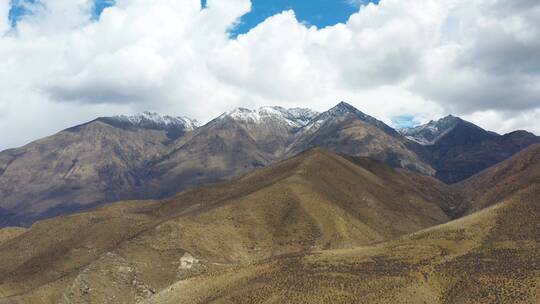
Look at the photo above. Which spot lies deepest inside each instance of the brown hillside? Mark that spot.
(128, 251)
(492, 256)
(502, 180)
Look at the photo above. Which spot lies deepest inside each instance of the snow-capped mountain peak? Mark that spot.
(295, 117)
(302, 115)
(154, 120)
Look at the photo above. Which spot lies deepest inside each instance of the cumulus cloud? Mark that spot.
(507, 122)
(486, 59)
(424, 58)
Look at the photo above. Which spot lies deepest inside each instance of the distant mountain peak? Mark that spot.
(343, 106)
(449, 119)
(430, 133)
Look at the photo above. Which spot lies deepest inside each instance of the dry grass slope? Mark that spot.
(488, 257)
(492, 256)
(317, 228)
(127, 252)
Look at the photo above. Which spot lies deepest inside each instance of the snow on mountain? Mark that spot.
(302, 115)
(294, 117)
(429, 133)
(154, 120)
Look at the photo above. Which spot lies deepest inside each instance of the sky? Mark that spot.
(404, 62)
(320, 13)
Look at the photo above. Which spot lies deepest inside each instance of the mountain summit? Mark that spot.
(342, 110)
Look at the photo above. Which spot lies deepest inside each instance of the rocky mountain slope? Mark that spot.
(458, 149)
(347, 130)
(234, 143)
(125, 252)
(80, 167)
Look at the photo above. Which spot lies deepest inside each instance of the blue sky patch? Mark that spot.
(320, 13)
(404, 121)
(99, 6)
(21, 8)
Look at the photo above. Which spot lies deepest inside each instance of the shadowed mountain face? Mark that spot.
(458, 149)
(315, 201)
(76, 169)
(346, 130)
(502, 181)
(317, 228)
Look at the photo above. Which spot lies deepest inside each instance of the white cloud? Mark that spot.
(419, 57)
(506, 122)
(4, 16)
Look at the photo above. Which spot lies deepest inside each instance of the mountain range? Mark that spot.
(315, 228)
(149, 156)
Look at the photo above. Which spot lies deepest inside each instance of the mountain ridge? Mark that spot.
(458, 149)
(151, 156)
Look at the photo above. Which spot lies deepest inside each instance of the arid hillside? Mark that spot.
(502, 181)
(492, 256)
(489, 257)
(126, 252)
